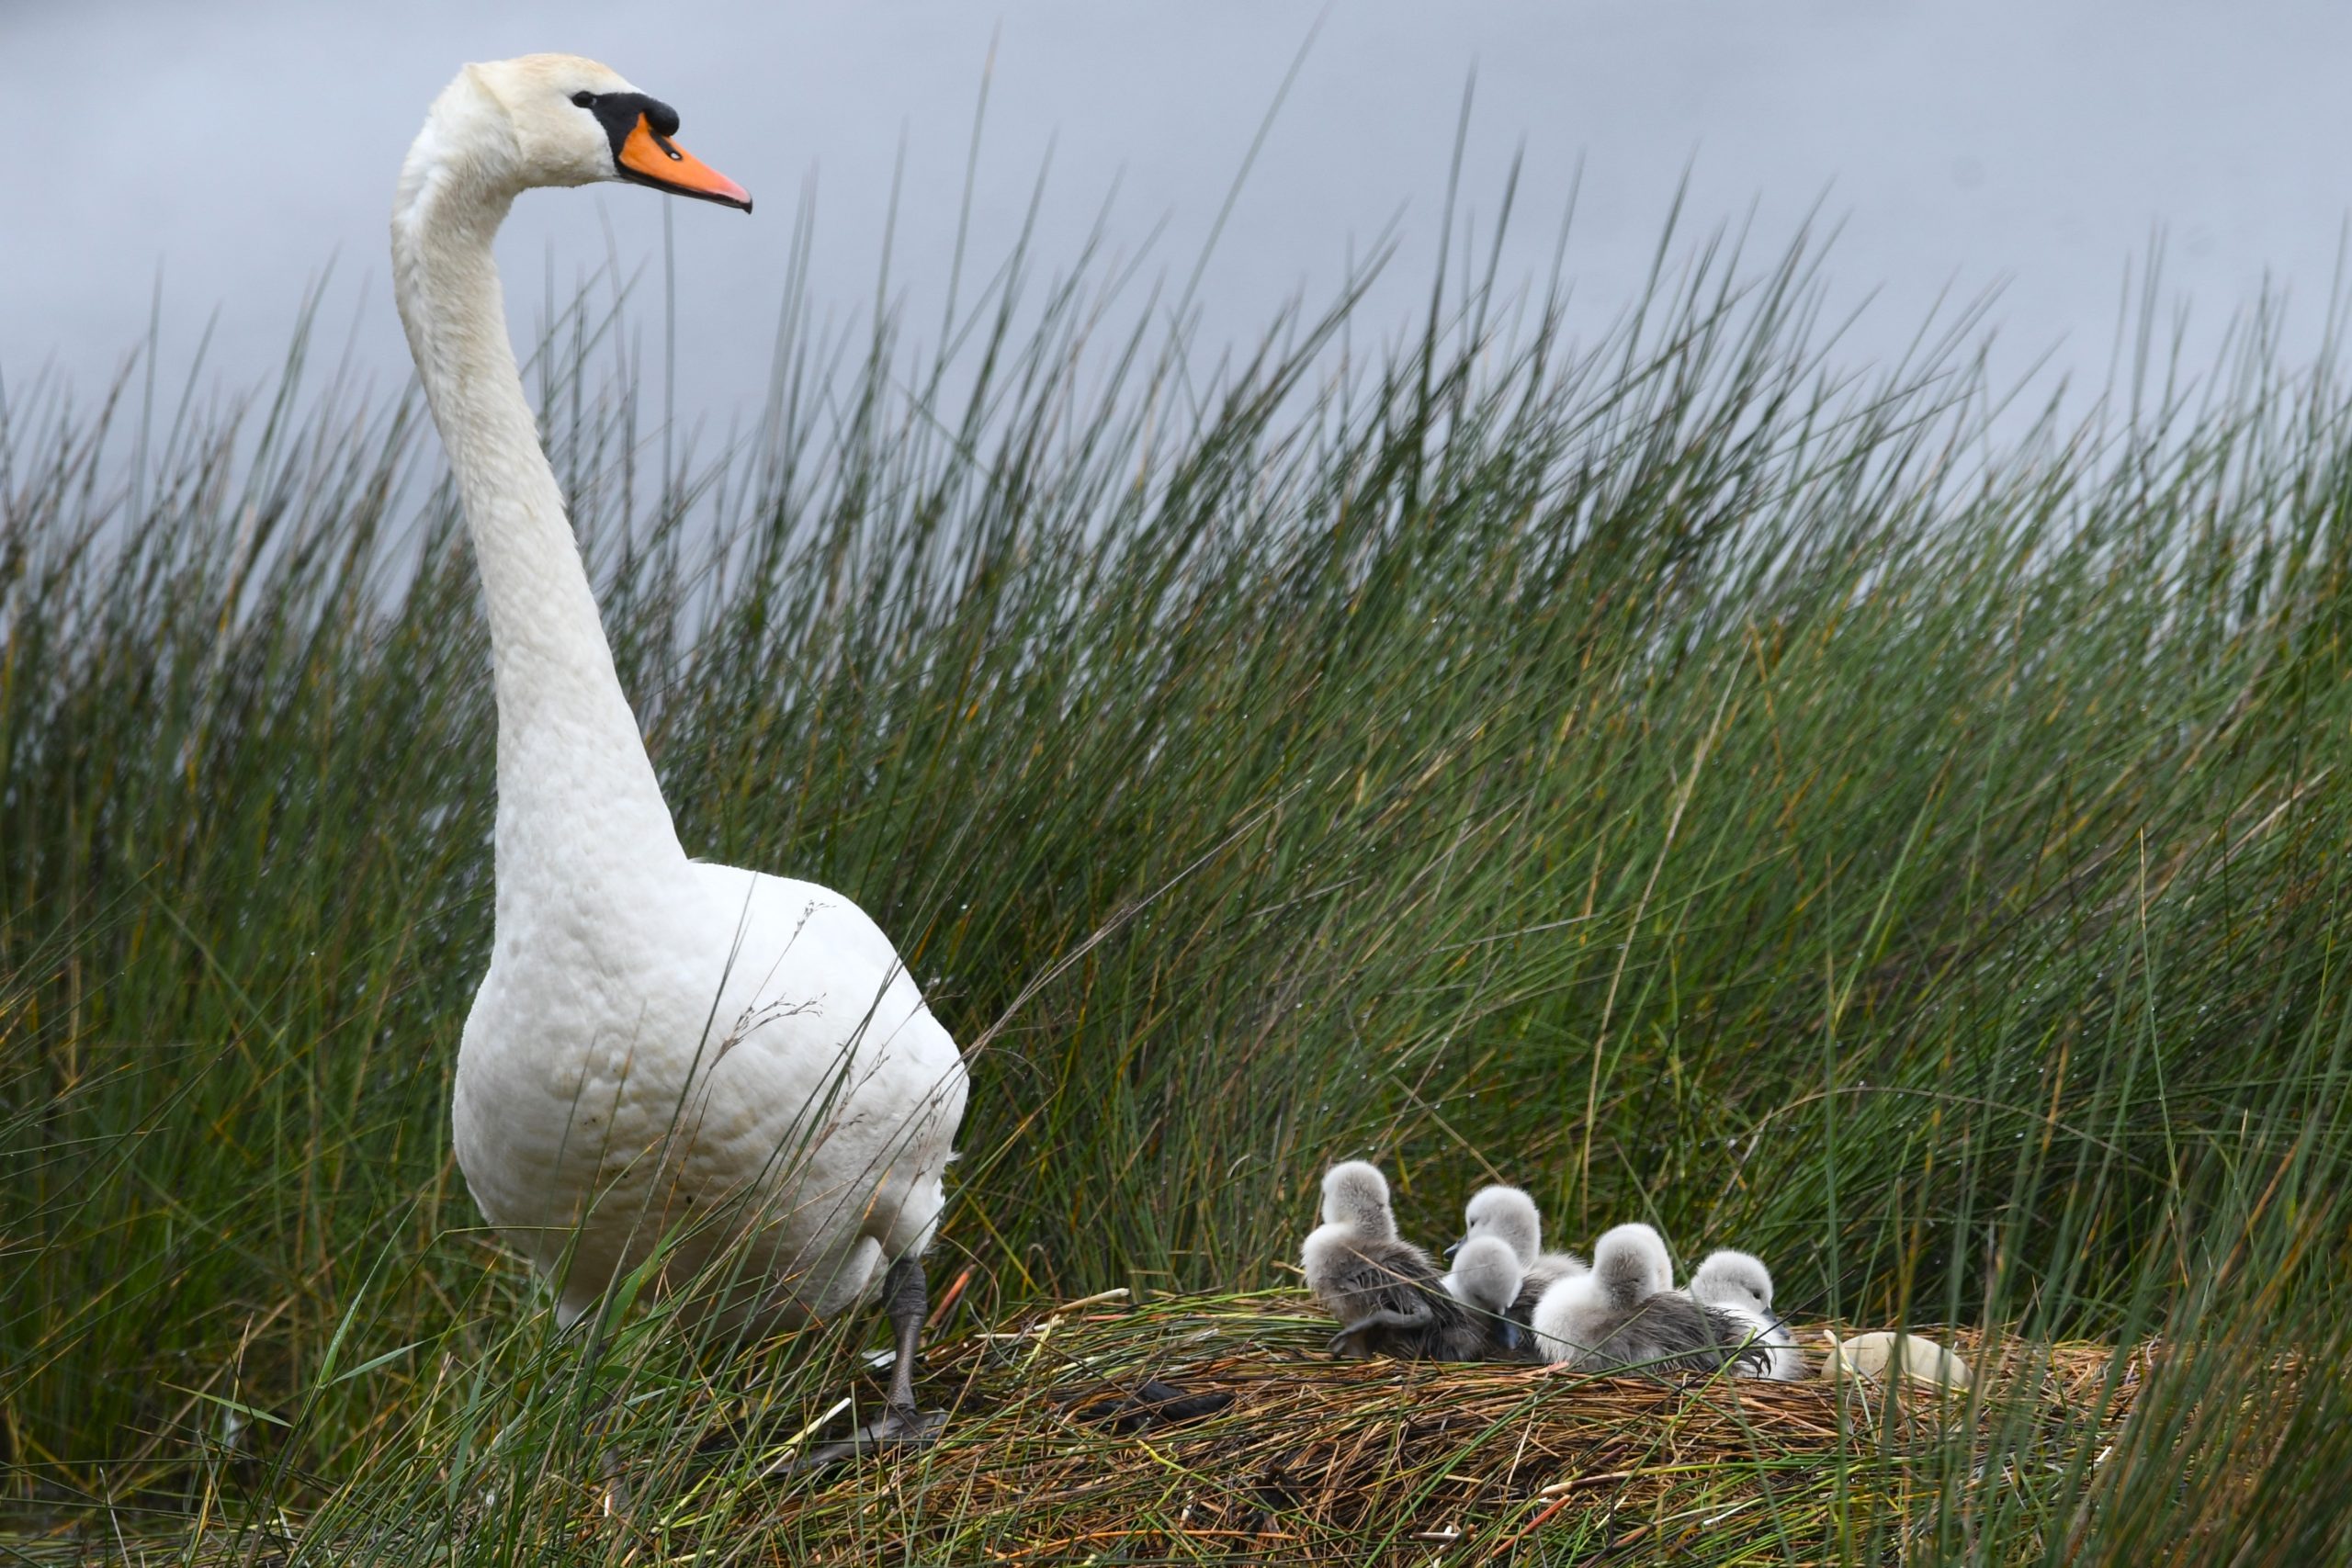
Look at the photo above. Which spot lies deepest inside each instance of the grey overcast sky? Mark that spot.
(2036, 144)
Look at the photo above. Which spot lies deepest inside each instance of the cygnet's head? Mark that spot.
(1486, 1274)
(1732, 1279)
(557, 119)
(1356, 1195)
(1508, 1215)
(1631, 1261)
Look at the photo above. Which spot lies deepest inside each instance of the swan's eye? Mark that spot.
(585, 100)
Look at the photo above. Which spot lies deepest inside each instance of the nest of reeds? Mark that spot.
(1049, 1457)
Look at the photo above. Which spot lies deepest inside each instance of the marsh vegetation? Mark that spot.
(1675, 771)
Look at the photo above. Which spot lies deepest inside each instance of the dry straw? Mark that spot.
(1316, 1460)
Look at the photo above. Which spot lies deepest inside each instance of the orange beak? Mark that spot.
(649, 158)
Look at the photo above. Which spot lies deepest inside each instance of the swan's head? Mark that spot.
(1631, 1261)
(557, 119)
(1732, 1279)
(1356, 1195)
(1508, 1215)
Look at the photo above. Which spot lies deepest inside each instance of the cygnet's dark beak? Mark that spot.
(1455, 1245)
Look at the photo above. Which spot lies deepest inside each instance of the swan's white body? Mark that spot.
(662, 1048)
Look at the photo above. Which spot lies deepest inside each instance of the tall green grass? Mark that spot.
(1810, 807)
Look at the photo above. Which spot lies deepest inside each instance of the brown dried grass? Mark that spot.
(1315, 1460)
(1325, 1460)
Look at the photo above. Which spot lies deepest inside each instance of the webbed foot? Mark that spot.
(898, 1428)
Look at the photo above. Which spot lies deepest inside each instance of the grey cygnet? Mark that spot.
(1509, 1214)
(1626, 1315)
(1738, 1283)
(1383, 1290)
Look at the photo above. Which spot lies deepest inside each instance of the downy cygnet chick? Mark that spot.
(1488, 1281)
(1739, 1284)
(1625, 1315)
(1383, 1290)
(1509, 1215)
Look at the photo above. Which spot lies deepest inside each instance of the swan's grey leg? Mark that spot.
(909, 1292)
(1386, 1317)
(906, 1296)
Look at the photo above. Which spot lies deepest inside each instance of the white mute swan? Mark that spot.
(1738, 1283)
(666, 1058)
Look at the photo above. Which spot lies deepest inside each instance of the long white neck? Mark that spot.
(581, 817)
